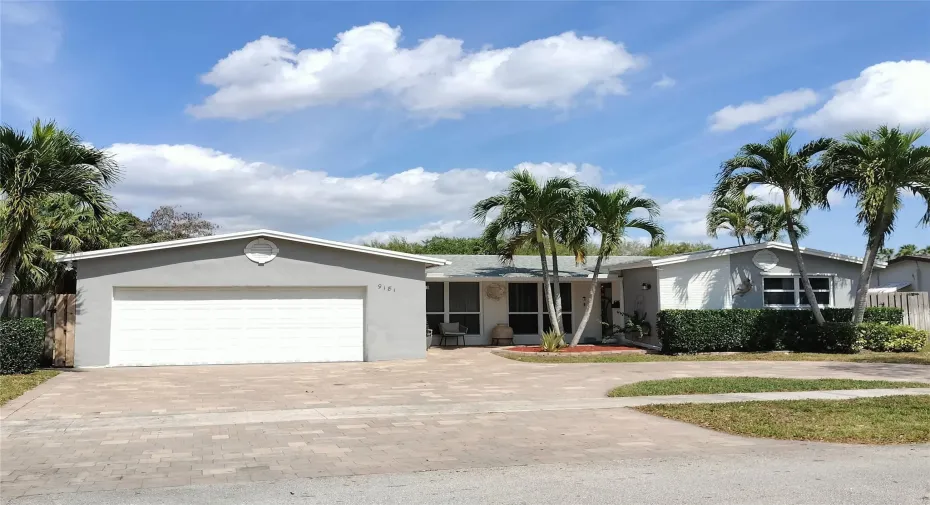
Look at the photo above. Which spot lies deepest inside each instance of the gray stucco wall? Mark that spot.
(637, 299)
(394, 320)
(844, 273)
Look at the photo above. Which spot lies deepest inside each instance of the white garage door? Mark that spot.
(181, 326)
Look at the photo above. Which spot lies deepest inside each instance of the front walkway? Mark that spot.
(463, 408)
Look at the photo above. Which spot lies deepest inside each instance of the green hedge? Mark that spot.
(892, 338)
(832, 337)
(691, 331)
(21, 342)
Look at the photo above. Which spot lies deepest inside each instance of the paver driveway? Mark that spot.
(170, 426)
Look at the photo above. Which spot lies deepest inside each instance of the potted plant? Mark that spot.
(637, 326)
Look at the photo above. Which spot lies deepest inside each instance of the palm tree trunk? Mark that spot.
(6, 284)
(547, 287)
(557, 291)
(591, 294)
(802, 270)
(875, 243)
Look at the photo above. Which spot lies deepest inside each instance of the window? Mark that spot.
(565, 290)
(465, 305)
(435, 305)
(523, 301)
(787, 291)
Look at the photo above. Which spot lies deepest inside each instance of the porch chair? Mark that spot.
(452, 330)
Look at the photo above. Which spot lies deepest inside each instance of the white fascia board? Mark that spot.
(681, 258)
(103, 253)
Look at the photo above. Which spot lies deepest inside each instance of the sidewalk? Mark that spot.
(405, 411)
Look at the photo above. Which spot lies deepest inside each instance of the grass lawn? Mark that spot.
(12, 386)
(883, 420)
(915, 358)
(713, 385)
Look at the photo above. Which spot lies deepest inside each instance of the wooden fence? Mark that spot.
(916, 306)
(58, 312)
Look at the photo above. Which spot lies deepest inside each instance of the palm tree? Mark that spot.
(64, 225)
(732, 213)
(775, 164)
(536, 214)
(877, 167)
(610, 215)
(33, 168)
(769, 222)
(906, 250)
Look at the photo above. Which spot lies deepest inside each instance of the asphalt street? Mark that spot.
(810, 474)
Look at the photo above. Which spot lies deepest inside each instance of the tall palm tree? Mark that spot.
(769, 221)
(536, 214)
(775, 164)
(48, 162)
(877, 167)
(610, 215)
(732, 213)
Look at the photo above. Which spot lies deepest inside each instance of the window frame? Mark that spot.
(450, 312)
(537, 313)
(798, 291)
(472, 332)
(445, 304)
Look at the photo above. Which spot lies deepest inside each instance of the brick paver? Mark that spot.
(176, 426)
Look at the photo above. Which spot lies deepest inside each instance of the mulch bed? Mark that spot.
(579, 348)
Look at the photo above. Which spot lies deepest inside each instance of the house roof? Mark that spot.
(910, 257)
(103, 253)
(468, 265)
(714, 253)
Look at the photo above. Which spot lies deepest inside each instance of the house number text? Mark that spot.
(385, 287)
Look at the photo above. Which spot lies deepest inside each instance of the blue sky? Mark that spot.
(255, 115)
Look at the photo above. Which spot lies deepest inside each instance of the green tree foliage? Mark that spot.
(777, 165)
(47, 162)
(877, 168)
(610, 214)
(540, 214)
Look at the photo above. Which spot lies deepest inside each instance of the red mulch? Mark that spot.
(580, 348)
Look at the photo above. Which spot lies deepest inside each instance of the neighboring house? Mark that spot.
(250, 297)
(752, 276)
(265, 296)
(904, 273)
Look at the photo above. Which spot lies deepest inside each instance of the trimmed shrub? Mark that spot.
(692, 331)
(892, 338)
(21, 342)
(832, 337)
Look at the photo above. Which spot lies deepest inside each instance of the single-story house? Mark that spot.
(761, 275)
(251, 297)
(266, 296)
(905, 273)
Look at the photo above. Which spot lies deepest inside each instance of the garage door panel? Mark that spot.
(153, 326)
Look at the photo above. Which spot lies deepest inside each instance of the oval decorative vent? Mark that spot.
(765, 260)
(261, 251)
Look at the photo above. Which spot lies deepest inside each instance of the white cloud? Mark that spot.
(771, 108)
(683, 218)
(436, 77)
(664, 82)
(242, 194)
(896, 93)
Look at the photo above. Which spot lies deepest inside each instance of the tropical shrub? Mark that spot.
(892, 338)
(692, 331)
(552, 341)
(21, 342)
